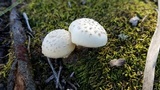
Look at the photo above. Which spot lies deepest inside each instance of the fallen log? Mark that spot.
(20, 76)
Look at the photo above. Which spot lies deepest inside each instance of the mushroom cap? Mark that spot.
(88, 33)
(57, 44)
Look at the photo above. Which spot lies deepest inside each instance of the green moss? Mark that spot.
(92, 69)
(5, 70)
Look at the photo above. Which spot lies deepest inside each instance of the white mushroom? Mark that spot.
(88, 33)
(57, 44)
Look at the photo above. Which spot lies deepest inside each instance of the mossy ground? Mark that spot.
(92, 69)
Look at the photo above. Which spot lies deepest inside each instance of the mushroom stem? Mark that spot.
(55, 74)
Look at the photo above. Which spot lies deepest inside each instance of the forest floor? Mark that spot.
(90, 66)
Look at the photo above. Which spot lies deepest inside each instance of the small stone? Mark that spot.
(122, 36)
(134, 21)
(117, 62)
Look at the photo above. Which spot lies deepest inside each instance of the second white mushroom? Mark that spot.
(88, 33)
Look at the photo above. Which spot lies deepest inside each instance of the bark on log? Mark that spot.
(20, 77)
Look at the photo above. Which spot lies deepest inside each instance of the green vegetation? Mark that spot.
(10, 8)
(92, 69)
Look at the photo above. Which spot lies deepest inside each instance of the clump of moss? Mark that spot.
(92, 69)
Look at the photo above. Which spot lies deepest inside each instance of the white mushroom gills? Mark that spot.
(88, 33)
(57, 44)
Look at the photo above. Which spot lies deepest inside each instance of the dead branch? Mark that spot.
(149, 72)
(20, 77)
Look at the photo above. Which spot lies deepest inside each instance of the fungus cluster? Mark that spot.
(60, 43)
(84, 32)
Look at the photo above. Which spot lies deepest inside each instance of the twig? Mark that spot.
(29, 31)
(71, 75)
(49, 79)
(27, 22)
(152, 55)
(144, 18)
(59, 72)
(55, 74)
(29, 43)
(72, 85)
